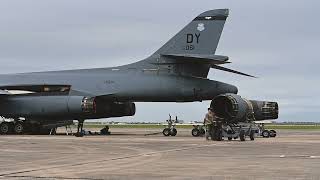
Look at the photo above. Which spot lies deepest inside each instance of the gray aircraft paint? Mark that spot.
(157, 78)
(203, 34)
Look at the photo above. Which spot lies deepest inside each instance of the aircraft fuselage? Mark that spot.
(127, 85)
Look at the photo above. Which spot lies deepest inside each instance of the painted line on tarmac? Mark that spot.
(292, 156)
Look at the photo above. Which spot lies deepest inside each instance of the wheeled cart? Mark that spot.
(240, 130)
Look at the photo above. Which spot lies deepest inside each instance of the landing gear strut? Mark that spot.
(80, 129)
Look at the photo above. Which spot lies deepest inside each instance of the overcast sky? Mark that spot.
(278, 41)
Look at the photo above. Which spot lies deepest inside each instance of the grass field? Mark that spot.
(160, 126)
(294, 126)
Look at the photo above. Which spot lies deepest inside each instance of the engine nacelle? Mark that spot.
(63, 107)
(114, 109)
(234, 108)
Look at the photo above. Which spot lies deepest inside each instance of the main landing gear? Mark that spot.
(170, 130)
(198, 130)
(13, 127)
(18, 127)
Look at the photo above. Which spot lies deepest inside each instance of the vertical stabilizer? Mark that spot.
(200, 36)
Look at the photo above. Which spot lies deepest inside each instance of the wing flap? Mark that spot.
(3, 92)
(29, 89)
(38, 88)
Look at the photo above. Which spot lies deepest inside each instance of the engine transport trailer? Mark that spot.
(236, 118)
(23, 126)
(239, 130)
(238, 115)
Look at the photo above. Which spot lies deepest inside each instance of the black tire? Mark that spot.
(4, 128)
(230, 138)
(252, 132)
(273, 133)
(242, 135)
(174, 132)
(195, 132)
(265, 134)
(166, 132)
(18, 128)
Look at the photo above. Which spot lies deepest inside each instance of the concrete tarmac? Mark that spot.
(291, 155)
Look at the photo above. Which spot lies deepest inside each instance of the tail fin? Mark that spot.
(200, 36)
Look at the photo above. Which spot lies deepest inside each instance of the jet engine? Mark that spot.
(114, 109)
(234, 108)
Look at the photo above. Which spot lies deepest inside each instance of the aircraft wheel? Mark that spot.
(18, 128)
(166, 132)
(265, 134)
(252, 135)
(242, 135)
(4, 128)
(230, 138)
(273, 133)
(174, 132)
(195, 132)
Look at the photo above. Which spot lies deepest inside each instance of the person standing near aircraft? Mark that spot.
(208, 122)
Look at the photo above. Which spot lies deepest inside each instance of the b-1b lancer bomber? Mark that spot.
(177, 72)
